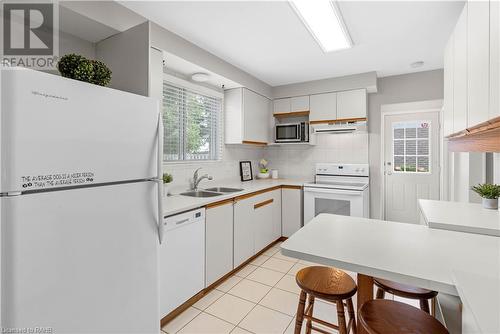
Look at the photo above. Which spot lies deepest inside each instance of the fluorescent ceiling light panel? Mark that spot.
(324, 22)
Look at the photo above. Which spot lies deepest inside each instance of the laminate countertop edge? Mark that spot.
(179, 203)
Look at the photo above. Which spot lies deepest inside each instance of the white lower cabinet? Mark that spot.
(291, 210)
(218, 242)
(257, 222)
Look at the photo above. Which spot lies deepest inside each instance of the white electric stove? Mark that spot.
(341, 189)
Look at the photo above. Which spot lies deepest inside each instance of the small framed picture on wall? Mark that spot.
(246, 170)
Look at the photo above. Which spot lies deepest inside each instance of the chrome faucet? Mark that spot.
(197, 180)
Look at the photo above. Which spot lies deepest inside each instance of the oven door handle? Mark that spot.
(333, 191)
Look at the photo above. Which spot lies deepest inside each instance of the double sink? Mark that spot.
(211, 192)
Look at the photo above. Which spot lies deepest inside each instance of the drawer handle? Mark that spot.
(261, 204)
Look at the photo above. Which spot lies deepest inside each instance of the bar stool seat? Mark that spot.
(405, 291)
(381, 316)
(329, 284)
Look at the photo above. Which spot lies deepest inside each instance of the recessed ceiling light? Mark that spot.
(200, 77)
(417, 64)
(323, 20)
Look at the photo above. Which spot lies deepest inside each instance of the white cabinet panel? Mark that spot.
(494, 59)
(448, 88)
(247, 116)
(299, 103)
(255, 117)
(218, 242)
(460, 73)
(351, 104)
(257, 223)
(291, 201)
(282, 105)
(243, 231)
(478, 61)
(323, 107)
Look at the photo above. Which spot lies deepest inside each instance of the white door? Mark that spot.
(333, 201)
(81, 260)
(411, 163)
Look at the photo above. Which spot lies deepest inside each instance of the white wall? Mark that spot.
(72, 44)
(411, 87)
(364, 80)
(127, 56)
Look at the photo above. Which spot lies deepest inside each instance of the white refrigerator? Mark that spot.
(80, 206)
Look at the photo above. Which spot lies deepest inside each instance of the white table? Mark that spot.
(406, 253)
(458, 216)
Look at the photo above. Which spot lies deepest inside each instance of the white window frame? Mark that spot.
(203, 90)
(429, 153)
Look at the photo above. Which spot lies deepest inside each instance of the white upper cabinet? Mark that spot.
(460, 73)
(448, 88)
(291, 104)
(282, 105)
(478, 57)
(351, 104)
(323, 107)
(247, 116)
(299, 103)
(494, 110)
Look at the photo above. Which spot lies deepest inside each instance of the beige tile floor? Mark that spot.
(261, 298)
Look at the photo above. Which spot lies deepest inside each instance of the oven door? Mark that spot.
(334, 201)
(288, 133)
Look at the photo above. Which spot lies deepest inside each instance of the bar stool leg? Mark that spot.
(424, 305)
(300, 312)
(310, 313)
(341, 317)
(350, 311)
(380, 293)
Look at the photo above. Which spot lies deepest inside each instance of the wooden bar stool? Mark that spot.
(390, 317)
(406, 291)
(329, 284)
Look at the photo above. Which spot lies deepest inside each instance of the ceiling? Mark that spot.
(269, 41)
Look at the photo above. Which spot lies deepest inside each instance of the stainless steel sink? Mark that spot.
(224, 189)
(201, 193)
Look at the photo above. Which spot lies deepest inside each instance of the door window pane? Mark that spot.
(411, 147)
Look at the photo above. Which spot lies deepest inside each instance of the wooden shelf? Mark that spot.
(292, 114)
(484, 137)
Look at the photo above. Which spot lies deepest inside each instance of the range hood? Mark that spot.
(333, 128)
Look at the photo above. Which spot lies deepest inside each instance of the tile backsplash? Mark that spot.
(295, 161)
(299, 160)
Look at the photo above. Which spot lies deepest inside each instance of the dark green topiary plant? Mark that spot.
(102, 74)
(76, 67)
(80, 68)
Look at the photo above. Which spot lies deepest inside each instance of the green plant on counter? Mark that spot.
(167, 178)
(78, 67)
(487, 190)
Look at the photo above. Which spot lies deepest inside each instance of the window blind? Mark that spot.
(192, 125)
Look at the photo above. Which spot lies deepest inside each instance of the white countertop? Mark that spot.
(407, 253)
(179, 203)
(458, 216)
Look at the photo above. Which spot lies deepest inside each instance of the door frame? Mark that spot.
(407, 108)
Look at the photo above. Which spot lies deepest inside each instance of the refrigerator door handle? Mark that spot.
(159, 179)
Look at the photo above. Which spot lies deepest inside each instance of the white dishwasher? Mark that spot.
(182, 259)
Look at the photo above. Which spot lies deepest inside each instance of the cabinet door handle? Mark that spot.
(261, 204)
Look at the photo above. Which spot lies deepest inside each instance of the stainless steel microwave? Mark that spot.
(292, 132)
